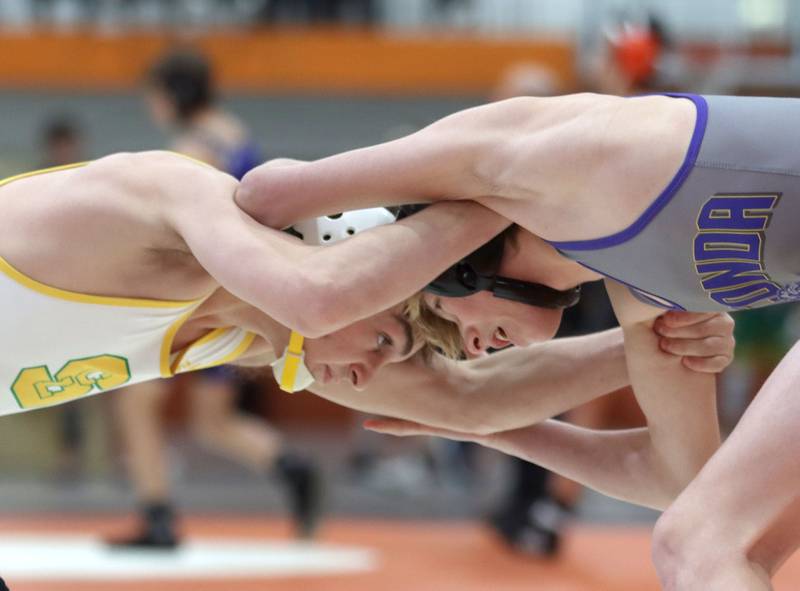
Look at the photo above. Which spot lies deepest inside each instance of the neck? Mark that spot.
(529, 258)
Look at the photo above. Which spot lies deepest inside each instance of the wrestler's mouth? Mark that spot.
(325, 374)
(500, 338)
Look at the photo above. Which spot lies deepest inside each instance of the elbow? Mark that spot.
(668, 490)
(673, 482)
(316, 311)
(474, 416)
(657, 484)
(310, 322)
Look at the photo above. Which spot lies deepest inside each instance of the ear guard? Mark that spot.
(290, 370)
(478, 272)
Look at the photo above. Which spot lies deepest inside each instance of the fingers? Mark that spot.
(708, 355)
(678, 319)
(705, 341)
(707, 364)
(688, 325)
(705, 347)
(403, 428)
(397, 427)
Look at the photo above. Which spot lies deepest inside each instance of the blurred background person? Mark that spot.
(62, 141)
(181, 99)
(634, 52)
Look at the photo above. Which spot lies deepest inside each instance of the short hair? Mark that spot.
(185, 76)
(438, 334)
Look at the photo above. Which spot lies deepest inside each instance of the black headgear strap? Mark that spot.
(478, 272)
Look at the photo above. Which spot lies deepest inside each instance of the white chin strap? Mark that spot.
(290, 370)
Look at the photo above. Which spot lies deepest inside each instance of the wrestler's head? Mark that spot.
(485, 320)
(354, 353)
(179, 86)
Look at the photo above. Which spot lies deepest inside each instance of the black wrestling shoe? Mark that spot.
(157, 532)
(303, 484)
(534, 531)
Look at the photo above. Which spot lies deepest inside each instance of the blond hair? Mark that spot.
(438, 334)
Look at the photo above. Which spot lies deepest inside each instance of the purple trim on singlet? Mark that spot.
(638, 292)
(661, 201)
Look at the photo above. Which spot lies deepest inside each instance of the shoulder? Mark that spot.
(153, 170)
(169, 176)
(163, 186)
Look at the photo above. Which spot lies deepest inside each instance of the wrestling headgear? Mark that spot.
(328, 229)
(478, 272)
(290, 370)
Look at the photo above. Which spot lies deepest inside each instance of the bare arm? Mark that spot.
(644, 466)
(461, 156)
(509, 389)
(317, 290)
(615, 463)
(679, 404)
(430, 165)
(520, 386)
(517, 156)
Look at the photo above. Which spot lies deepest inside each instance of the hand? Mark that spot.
(704, 340)
(403, 428)
(521, 443)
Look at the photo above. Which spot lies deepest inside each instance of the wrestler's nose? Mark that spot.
(474, 343)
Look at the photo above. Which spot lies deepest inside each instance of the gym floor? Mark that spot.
(350, 554)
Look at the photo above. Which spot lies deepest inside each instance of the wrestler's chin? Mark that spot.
(543, 329)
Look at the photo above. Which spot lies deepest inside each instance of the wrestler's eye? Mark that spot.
(384, 340)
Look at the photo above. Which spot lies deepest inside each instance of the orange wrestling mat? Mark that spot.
(52, 553)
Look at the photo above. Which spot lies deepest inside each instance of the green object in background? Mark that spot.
(761, 334)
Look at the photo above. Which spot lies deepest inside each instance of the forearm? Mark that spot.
(429, 165)
(622, 464)
(317, 290)
(523, 386)
(678, 403)
(509, 389)
(379, 268)
(680, 406)
(619, 464)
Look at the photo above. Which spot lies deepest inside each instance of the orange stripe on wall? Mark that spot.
(283, 59)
